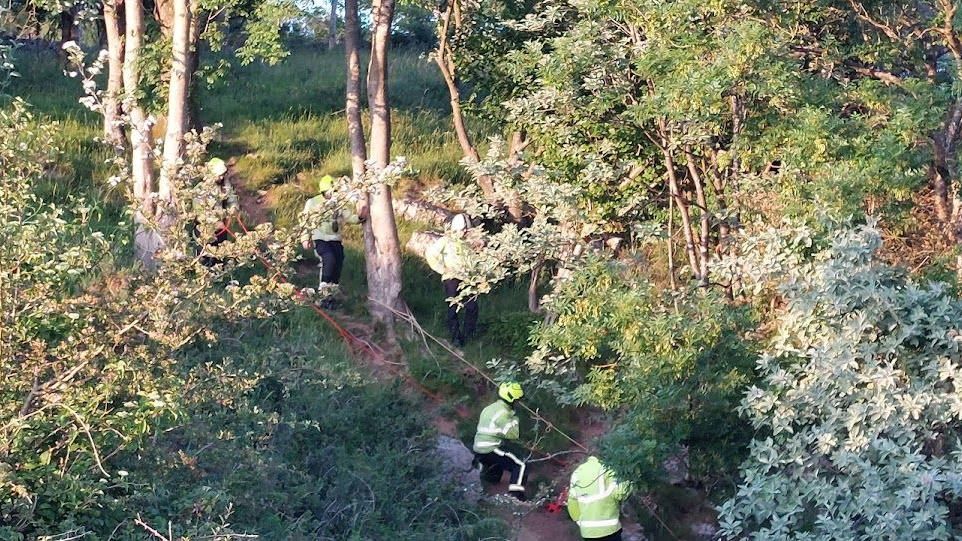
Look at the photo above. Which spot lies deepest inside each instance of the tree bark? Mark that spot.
(66, 26)
(442, 57)
(683, 211)
(384, 283)
(705, 228)
(534, 300)
(332, 26)
(164, 15)
(113, 28)
(178, 89)
(141, 163)
(66, 31)
(355, 125)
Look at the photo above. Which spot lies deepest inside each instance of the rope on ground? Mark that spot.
(349, 338)
(411, 320)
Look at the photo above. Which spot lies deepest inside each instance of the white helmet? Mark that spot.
(460, 222)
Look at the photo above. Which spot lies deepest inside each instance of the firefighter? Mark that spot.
(446, 257)
(594, 500)
(219, 200)
(325, 239)
(498, 422)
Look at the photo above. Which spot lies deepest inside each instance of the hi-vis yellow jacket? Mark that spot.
(329, 229)
(446, 256)
(497, 422)
(594, 498)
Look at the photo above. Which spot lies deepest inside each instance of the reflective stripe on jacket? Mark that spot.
(594, 498)
(446, 256)
(330, 228)
(497, 422)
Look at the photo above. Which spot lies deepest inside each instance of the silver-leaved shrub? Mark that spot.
(859, 410)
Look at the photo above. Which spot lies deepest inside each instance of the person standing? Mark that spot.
(325, 238)
(446, 256)
(498, 423)
(210, 207)
(594, 501)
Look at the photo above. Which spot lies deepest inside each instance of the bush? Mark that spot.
(669, 366)
(858, 416)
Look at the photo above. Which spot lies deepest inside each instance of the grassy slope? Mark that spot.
(285, 127)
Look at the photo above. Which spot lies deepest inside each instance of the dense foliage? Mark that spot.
(673, 364)
(858, 414)
(669, 176)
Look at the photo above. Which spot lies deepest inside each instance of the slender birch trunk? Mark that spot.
(113, 131)
(141, 148)
(683, 211)
(355, 125)
(178, 89)
(442, 57)
(384, 283)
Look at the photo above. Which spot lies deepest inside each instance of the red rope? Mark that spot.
(349, 338)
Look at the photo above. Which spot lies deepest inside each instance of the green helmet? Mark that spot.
(326, 184)
(510, 391)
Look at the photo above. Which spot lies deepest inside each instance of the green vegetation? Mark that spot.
(251, 429)
(721, 243)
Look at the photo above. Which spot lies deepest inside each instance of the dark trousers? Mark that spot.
(494, 464)
(221, 236)
(459, 333)
(613, 537)
(331, 254)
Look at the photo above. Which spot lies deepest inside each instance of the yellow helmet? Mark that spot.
(460, 222)
(510, 391)
(326, 184)
(217, 166)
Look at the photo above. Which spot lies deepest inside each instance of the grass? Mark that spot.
(295, 132)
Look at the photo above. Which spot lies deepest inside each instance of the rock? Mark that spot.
(456, 465)
(632, 532)
(676, 466)
(704, 531)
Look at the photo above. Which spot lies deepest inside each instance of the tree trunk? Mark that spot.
(671, 243)
(113, 131)
(179, 85)
(534, 300)
(683, 211)
(442, 57)
(384, 283)
(141, 163)
(705, 233)
(164, 15)
(66, 26)
(198, 20)
(332, 26)
(355, 125)
(66, 31)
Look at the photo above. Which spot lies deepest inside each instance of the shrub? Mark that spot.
(857, 416)
(668, 365)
